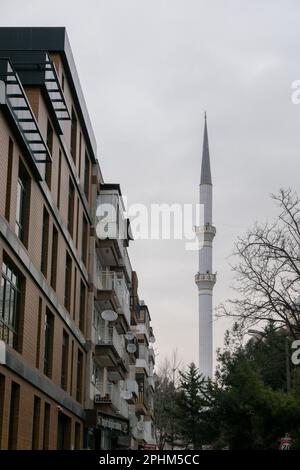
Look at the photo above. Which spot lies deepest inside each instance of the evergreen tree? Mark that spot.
(190, 404)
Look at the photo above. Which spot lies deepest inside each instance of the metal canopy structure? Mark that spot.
(22, 113)
(43, 72)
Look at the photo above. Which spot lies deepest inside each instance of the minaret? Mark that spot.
(205, 279)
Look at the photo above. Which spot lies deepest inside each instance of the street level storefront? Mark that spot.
(106, 431)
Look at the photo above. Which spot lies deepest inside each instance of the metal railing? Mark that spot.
(17, 101)
(210, 277)
(111, 280)
(109, 336)
(132, 386)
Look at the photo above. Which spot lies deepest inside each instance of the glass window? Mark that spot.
(49, 331)
(9, 303)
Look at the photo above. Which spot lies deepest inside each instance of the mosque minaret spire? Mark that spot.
(205, 278)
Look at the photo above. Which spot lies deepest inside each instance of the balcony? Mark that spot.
(205, 232)
(112, 398)
(142, 403)
(142, 329)
(112, 229)
(151, 382)
(205, 280)
(113, 291)
(18, 110)
(207, 228)
(151, 355)
(132, 386)
(142, 361)
(109, 349)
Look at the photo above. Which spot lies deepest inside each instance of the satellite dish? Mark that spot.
(152, 339)
(131, 348)
(109, 315)
(126, 395)
(129, 336)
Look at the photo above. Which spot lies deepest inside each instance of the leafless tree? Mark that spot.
(267, 270)
(164, 401)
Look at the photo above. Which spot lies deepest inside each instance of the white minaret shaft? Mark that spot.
(205, 279)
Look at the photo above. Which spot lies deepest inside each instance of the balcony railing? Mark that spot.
(110, 336)
(151, 382)
(208, 277)
(132, 386)
(113, 397)
(111, 280)
(125, 262)
(143, 353)
(207, 228)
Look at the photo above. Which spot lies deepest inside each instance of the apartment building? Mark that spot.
(114, 394)
(143, 431)
(68, 367)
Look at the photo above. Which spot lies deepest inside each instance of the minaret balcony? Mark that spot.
(202, 278)
(207, 228)
(205, 232)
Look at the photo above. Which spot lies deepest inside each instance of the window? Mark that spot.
(80, 148)
(73, 135)
(72, 362)
(46, 427)
(77, 224)
(63, 432)
(36, 423)
(14, 416)
(82, 306)
(48, 170)
(38, 342)
(71, 208)
(23, 202)
(54, 257)
(87, 176)
(68, 281)
(59, 179)
(2, 401)
(75, 306)
(45, 243)
(9, 305)
(77, 435)
(8, 178)
(84, 241)
(64, 361)
(79, 376)
(49, 332)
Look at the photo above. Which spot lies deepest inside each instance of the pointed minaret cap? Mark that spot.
(205, 166)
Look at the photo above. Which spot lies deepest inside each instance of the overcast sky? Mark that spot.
(148, 69)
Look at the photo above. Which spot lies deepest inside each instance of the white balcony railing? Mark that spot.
(111, 280)
(118, 402)
(114, 394)
(151, 354)
(151, 382)
(132, 386)
(109, 335)
(143, 353)
(207, 228)
(208, 277)
(126, 262)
